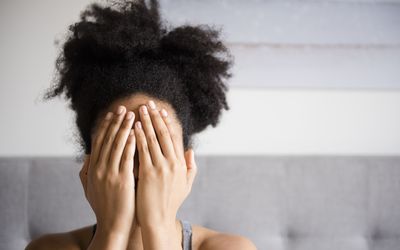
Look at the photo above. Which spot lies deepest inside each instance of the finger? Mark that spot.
(85, 165)
(83, 178)
(121, 137)
(162, 132)
(143, 150)
(127, 159)
(109, 141)
(177, 143)
(83, 172)
(151, 138)
(99, 136)
(191, 169)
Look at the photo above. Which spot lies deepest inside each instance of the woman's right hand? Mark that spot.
(110, 185)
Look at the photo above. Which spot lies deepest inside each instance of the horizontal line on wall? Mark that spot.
(313, 46)
(376, 2)
(165, 2)
(309, 88)
(350, 1)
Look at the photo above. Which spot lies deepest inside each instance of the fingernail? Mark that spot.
(120, 109)
(144, 109)
(129, 115)
(109, 115)
(152, 104)
(164, 113)
(139, 125)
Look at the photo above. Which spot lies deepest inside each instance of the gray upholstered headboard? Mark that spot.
(279, 202)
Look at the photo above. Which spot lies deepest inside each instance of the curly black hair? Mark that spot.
(118, 50)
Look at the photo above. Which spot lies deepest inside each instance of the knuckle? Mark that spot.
(118, 143)
(173, 171)
(174, 136)
(161, 172)
(104, 125)
(131, 139)
(143, 148)
(109, 179)
(126, 124)
(125, 157)
(167, 120)
(166, 171)
(124, 160)
(108, 139)
(174, 163)
(144, 170)
(153, 112)
(164, 132)
(130, 146)
(115, 122)
(175, 168)
(97, 175)
(150, 175)
(152, 139)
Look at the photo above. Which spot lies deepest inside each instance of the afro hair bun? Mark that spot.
(123, 48)
(192, 51)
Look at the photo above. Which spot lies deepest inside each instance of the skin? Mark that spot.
(157, 176)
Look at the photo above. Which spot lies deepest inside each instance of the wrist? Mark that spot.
(158, 222)
(112, 233)
(157, 228)
(113, 228)
(163, 235)
(109, 239)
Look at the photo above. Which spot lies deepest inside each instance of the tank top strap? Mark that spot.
(186, 235)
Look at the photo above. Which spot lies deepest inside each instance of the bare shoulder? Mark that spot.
(208, 239)
(73, 240)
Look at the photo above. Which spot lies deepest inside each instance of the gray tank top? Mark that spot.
(186, 234)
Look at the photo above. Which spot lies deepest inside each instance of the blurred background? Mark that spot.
(310, 77)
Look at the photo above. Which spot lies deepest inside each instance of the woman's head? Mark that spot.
(125, 54)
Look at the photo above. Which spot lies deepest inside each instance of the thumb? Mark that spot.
(191, 168)
(83, 173)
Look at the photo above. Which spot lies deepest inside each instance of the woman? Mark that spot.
(140, 92)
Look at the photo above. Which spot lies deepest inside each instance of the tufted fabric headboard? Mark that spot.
(279, 202)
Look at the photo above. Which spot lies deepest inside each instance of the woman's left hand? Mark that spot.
(166, 172)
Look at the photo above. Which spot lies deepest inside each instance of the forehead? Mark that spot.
(135, 101)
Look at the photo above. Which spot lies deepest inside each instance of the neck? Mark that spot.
(135, 236)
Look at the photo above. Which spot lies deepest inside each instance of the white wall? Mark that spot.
(277, 119)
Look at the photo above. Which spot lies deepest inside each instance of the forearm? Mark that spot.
(108, 241)
(160, 238)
